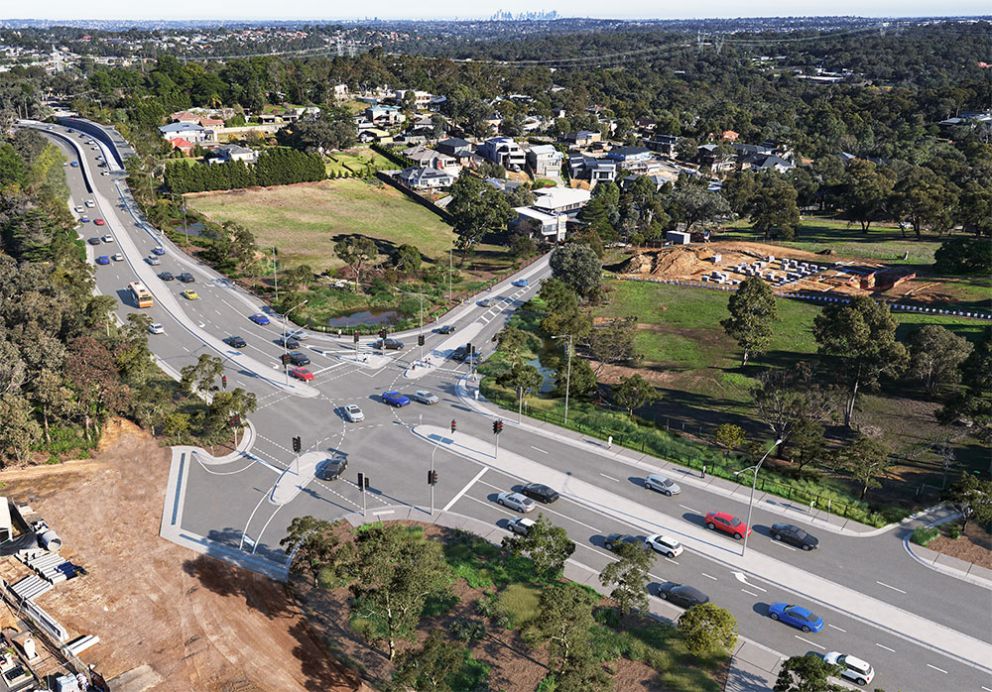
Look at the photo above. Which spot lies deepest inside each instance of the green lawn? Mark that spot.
(356, 161)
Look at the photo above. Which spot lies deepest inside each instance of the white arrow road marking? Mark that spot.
(742, 578)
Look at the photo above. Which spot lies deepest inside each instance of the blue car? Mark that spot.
(259, 318)
(796, 616)
(520, 283)
(396, 399)
(103, 259)
(74, 164)
(159, 251)
(84, 219)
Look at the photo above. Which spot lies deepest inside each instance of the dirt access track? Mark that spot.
(188, 622)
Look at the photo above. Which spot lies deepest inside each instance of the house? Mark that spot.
(547, 227)
(544, 161)
(592, 169)
(645, 124)
(730, 136)
(374, 134)
(234, 152)
(560, 200)
(504, 151)
(454, 147)
(422, 99)
(191, 132)
(418, 178)
(185, 117)
(183, 145)
(713, 156)
(428, 158)
(629, 155)
(583, 138)
(663, 144)
(340, 92)
(384, 116)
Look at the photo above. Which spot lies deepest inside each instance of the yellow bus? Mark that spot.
(142, 296)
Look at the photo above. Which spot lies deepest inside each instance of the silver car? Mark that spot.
(520, 526)
(662, 484)
(353, 413)
(425, 397)
(516, 501)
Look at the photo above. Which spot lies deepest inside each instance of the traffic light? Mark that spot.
(452, 425)
(497, 427)
(383, 334)
(469, 348)
(297, 444)
(223, 381)
(420, 340)
(363, 482)
(432, 477)
(355, 336)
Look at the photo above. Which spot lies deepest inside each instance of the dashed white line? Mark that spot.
(615, 480)
(939, 669)
(690, 509)
(986, 688)
(538, 449)
(708, 576)
(749, 593)
(889, 587)
(464, 490)
(883, 646)
(837, 628)
(807, 641)
(674, 562)
(787, 547)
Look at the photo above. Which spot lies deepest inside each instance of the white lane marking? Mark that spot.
(615, 480)
(464, 490)
(538, 449)
(940, 669)
(882, 646)
(986, 688)
(749, 593)
(708, 576)
(690, 509)
(807, 641)
(674, 562)
(837, 628)
(787, 547)
(890, 587)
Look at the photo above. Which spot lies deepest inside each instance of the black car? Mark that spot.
(459, 354)
(95, 241)
(793, 535)
(539, 492)
(288, 342)
(235, 342)
(331, 469)
(294, 358)
(614, 540)
(166, 276)
(681, 595)
(186, 278)
(387, 344)
(446, 329)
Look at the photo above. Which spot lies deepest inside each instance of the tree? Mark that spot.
(578, 266)
(316, 546)
(866, 459)
(785, 398)
(613, 342)
(773, 209)
(692, 203)
(393, 572)
(432, 666)
(522, 378)
(936, 355)
(865, 191)
(924, 199)
(564, 620)
(477, 208)
(729, 436)
(707, 627)
(547, 545)
(202, 375)
(563, 315)
(861, 337)
(230, 409)
(628, 576)
(807, 443)
(356, 251)
(407, 259)
(964, 256)
(19, 430)
(974, 496)
(634, 392)
(739, 189)
(809, 673)
(974, 404)
(753, 313)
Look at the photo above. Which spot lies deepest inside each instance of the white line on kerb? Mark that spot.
(617, 480)
(837, 628)
(940, 669)
(708, 576)
(809, 642)
(889, 587)
(883, 646)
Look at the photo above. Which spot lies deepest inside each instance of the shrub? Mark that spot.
(954, 531)
(923, 535)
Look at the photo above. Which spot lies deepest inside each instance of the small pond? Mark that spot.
(365, 317)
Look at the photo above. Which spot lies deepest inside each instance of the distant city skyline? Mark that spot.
(69, 10)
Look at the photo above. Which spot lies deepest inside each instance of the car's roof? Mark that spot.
(538, 486)
(724, 515)
(353, 407)
(663, 538)
(800, 610)
(686, 589)
(524, 520)
(855, 662)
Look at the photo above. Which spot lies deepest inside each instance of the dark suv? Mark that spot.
(294, 358)
(235, 342)
(388, 344)
(186, 278)
(539, 492)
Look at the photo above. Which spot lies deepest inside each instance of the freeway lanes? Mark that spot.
(230, 503)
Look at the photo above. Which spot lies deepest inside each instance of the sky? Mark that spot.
(450, 9)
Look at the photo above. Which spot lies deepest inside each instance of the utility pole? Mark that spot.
(420, 338)
(568, 370)
(449, 275)
(275, 269)
(754, 482)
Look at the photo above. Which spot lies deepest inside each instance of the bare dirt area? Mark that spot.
(197, 623)
(973, 545)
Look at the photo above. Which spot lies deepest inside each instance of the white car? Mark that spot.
(516, 501)
(353, 413)
(666, 545)
(425, 397)
(520, 525)
(156, 328)
(108, 238)
(661, 484)
(852, 668)
(118, 257)
(153, 260)
(78, 209)
(90, 203)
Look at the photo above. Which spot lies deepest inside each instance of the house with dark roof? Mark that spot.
(453, 146)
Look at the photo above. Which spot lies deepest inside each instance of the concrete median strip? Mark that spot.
(696, 537)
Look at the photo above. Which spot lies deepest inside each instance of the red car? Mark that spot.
(99, 222)
(301, 374)
(728, 523)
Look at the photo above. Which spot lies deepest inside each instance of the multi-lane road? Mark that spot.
(922, 630)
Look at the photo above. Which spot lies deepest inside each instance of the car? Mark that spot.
(287, 342)
(186, 278)
(793, 535)
(259, 318)
(294, 358)
(615, 540)
(235, 342)
(90, 203)
(425, 397)
(104, 173)
(795, 616)
(666, 545)
(107, 238)
(94, 241)
(728, 524)
(540, 492)
(446, 329)
(387, 344)
(190, 295)
(520, 526)
(851, 667)
(166, 276)
(521, 283)
(118, 257)
(156, 328)
(394, 398)
(74, 164)
(459, 354)
(353, 413)
(99, 222)
(661, 484)
(78, 209)
(84, 219)
(681, 595)
(154, 261)
(298, 334)
(331, 469)
(516, 501)
(158, 250)
(103, 259)
(301, 374)
(485, 303)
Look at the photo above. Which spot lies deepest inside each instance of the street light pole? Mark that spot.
(568, 371)
(421, 335)
(754, 482)
(449, 275)
(285, 337)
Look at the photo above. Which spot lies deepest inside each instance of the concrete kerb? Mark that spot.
(770, 503)
(968, 571)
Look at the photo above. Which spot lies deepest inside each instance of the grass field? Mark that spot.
(304, 220)
(355, 161)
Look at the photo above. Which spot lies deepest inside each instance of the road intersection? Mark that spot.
(922, 630)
